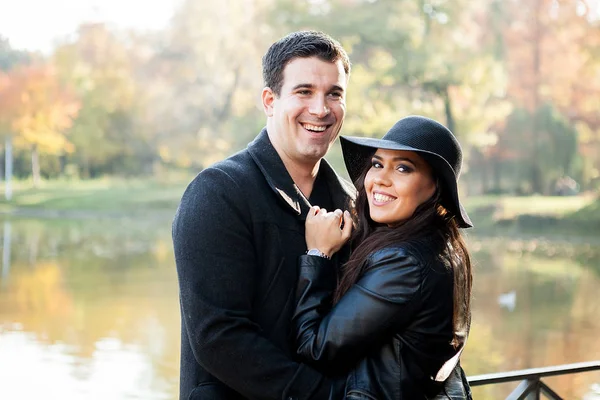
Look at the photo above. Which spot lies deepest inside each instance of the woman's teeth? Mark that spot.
(382, 198)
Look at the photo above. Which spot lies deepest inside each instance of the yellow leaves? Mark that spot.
(36, 108)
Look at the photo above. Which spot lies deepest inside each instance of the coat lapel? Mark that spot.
(278, 178)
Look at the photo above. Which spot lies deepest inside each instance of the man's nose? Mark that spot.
(319, 108)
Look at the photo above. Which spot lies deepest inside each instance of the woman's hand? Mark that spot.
(324, 229)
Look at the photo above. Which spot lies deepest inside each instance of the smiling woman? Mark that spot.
(401, 309)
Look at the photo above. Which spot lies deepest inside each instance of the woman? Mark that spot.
(401, 308)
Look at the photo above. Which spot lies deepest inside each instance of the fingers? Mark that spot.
(347, 230)
(314, 211)
(320, 214)
(338, 213)
(336, 219)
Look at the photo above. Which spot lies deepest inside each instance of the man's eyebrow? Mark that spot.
(303, 86)
(334, 88)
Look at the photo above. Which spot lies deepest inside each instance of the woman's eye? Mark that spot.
(403, 168)
(375, 164)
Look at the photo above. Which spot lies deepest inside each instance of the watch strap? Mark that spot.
(318, 253)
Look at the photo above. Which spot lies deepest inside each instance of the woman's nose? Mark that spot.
(381, 178)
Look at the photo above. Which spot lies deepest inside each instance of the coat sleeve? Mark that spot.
(216, 269)
(386, 295)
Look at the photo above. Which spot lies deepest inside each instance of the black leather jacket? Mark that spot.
(390, 334)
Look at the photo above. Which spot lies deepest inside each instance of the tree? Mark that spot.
(548, 52)
(8, 58)
(203, 80)
(557, 142)
(409, 56)
(98, 64)
(38, 110)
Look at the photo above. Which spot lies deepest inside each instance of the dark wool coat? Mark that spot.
(237, 235)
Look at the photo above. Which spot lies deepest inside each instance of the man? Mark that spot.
(240, 228)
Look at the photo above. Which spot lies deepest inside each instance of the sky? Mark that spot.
(36, 25)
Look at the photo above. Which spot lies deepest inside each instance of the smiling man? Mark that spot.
(239, 230)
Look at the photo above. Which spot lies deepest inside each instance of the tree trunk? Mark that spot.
(8, 168)
(496, 172)
(2, 162)
(484, 176)
(448, 110)
(62, 160)
(35, 166)
(85, 168)
(536, 175)
(6, 251)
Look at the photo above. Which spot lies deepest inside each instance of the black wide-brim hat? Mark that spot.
(431, 140)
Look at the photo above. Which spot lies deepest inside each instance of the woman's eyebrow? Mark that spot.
(399, 158)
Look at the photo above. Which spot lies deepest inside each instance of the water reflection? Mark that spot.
(89, 309)
(6, 250)
(554, 318)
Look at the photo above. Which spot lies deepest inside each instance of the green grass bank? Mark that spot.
(121, 198)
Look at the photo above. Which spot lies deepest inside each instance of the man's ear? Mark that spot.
(268, 98)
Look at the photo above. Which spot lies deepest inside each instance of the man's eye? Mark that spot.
(336, 95)
(304, 92)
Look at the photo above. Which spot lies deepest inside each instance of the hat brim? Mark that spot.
(358, 152)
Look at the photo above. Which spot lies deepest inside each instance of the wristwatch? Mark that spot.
(318, 253)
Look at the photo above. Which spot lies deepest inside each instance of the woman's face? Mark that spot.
(396, 184)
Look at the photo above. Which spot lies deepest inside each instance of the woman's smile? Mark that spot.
(381, 198)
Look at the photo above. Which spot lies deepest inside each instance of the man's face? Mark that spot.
(308, 114)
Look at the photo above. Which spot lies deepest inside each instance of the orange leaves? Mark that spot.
(36, 108)
(547, 43)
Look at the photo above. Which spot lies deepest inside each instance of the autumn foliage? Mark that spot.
(518, 81)
(36, 110)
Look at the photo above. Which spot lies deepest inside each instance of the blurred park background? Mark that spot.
(109, 108)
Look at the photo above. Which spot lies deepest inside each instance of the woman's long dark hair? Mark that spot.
(430, 219)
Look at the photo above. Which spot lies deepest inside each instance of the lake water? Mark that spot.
(89, 310)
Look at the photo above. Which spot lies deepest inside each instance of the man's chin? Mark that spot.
(316, 152)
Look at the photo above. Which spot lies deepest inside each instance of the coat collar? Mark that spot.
(278, 178)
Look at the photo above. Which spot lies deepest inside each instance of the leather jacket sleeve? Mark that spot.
(385, 295)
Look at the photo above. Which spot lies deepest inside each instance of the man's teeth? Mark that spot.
(382, 198)
(314, 128)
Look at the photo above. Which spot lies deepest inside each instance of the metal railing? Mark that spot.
(531, 385)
